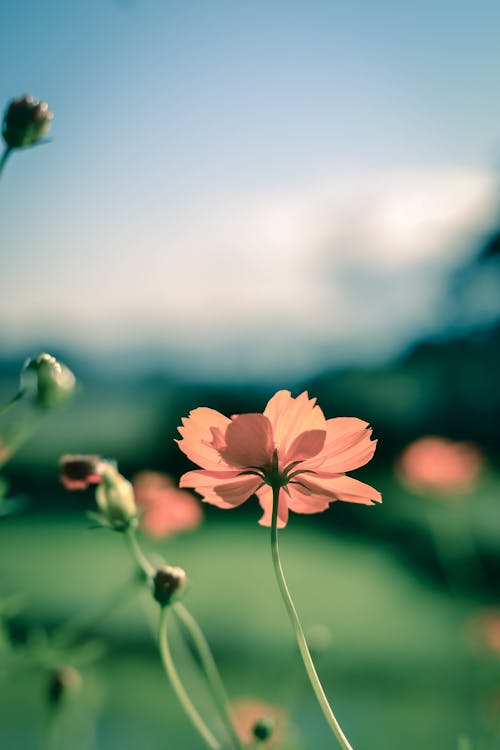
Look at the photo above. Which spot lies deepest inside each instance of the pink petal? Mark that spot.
(305, 445)
(225, 489)
(249, 441)
(172, 511)
(206, 478)
(339, 487)
(302, 500)
(348, 445)
(290, 417)
(197, 437)
(265, 495)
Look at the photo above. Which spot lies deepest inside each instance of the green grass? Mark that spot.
(397, 667)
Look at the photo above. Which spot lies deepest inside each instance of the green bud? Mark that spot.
(26, 121)
(263, 729)
(168, 581)
(115, 498)
(54, 383)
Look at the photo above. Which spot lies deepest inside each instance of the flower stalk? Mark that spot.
(207, 661)
(178, 687)
(298, 630)
(3, 159)
(209, 667)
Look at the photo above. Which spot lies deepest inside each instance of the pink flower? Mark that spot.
(291, 443)
(484, 629)
(77, 472)
(165, 509)
(250, 716)
(440, 465)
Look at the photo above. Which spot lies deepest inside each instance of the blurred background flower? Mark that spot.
(248, 715)
(440, 466)
(165, 509)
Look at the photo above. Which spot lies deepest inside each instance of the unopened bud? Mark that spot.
(115, 497)
(168, 581)
(63, 682)
(77, 472)
(263, 729)
(54, 382)
(26, 121)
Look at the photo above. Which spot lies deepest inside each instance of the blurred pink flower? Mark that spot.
(77, 472)
(439, 465)
(164, 508)
(484, 629)
(291, 442)
(248, 714)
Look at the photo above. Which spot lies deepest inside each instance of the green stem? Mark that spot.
(209, 666)
(299, 633)
(137, 554)
(178, 687)
(3, 159)
(12, 401)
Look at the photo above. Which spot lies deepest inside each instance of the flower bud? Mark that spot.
(168, 581)
(62, 682)
(115, 497)
(77, 472)
(54, 382)
(25, 122)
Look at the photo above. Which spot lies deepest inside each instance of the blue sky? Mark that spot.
(249, 187)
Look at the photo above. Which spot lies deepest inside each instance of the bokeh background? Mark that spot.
(238, 198)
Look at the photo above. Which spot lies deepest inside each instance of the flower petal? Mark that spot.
(197, 437)
(303, 500)
(227, 489)
(265, 495)
(348, 445)
(306, 445)
(339, 487)
(290, 417)
(249, 441)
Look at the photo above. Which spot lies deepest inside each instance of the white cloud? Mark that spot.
(355, 261)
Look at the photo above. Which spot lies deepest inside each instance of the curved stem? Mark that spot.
(137, 554)
(210, 669)
(11, 402)
(178, 687)
(299, 633)
(3, 159)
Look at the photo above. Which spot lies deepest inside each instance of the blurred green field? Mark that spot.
(398, 664)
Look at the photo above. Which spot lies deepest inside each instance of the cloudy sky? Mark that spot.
(250, 188)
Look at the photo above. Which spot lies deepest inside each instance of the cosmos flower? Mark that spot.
(256, 720)
(290, 444)
(164, 508)
(439, 465)
(77, 472)
(484, 630)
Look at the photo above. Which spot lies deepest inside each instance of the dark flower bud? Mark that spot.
(263, 729)
(77, 472)
(168, 581)
(25, 122)
(53, 381)
(63, 682)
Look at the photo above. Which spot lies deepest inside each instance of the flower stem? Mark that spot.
(178, 687)
(299, 633)
(137, 554)
(11, 402)
(209, 667)
(3, 159)
(199, 641)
